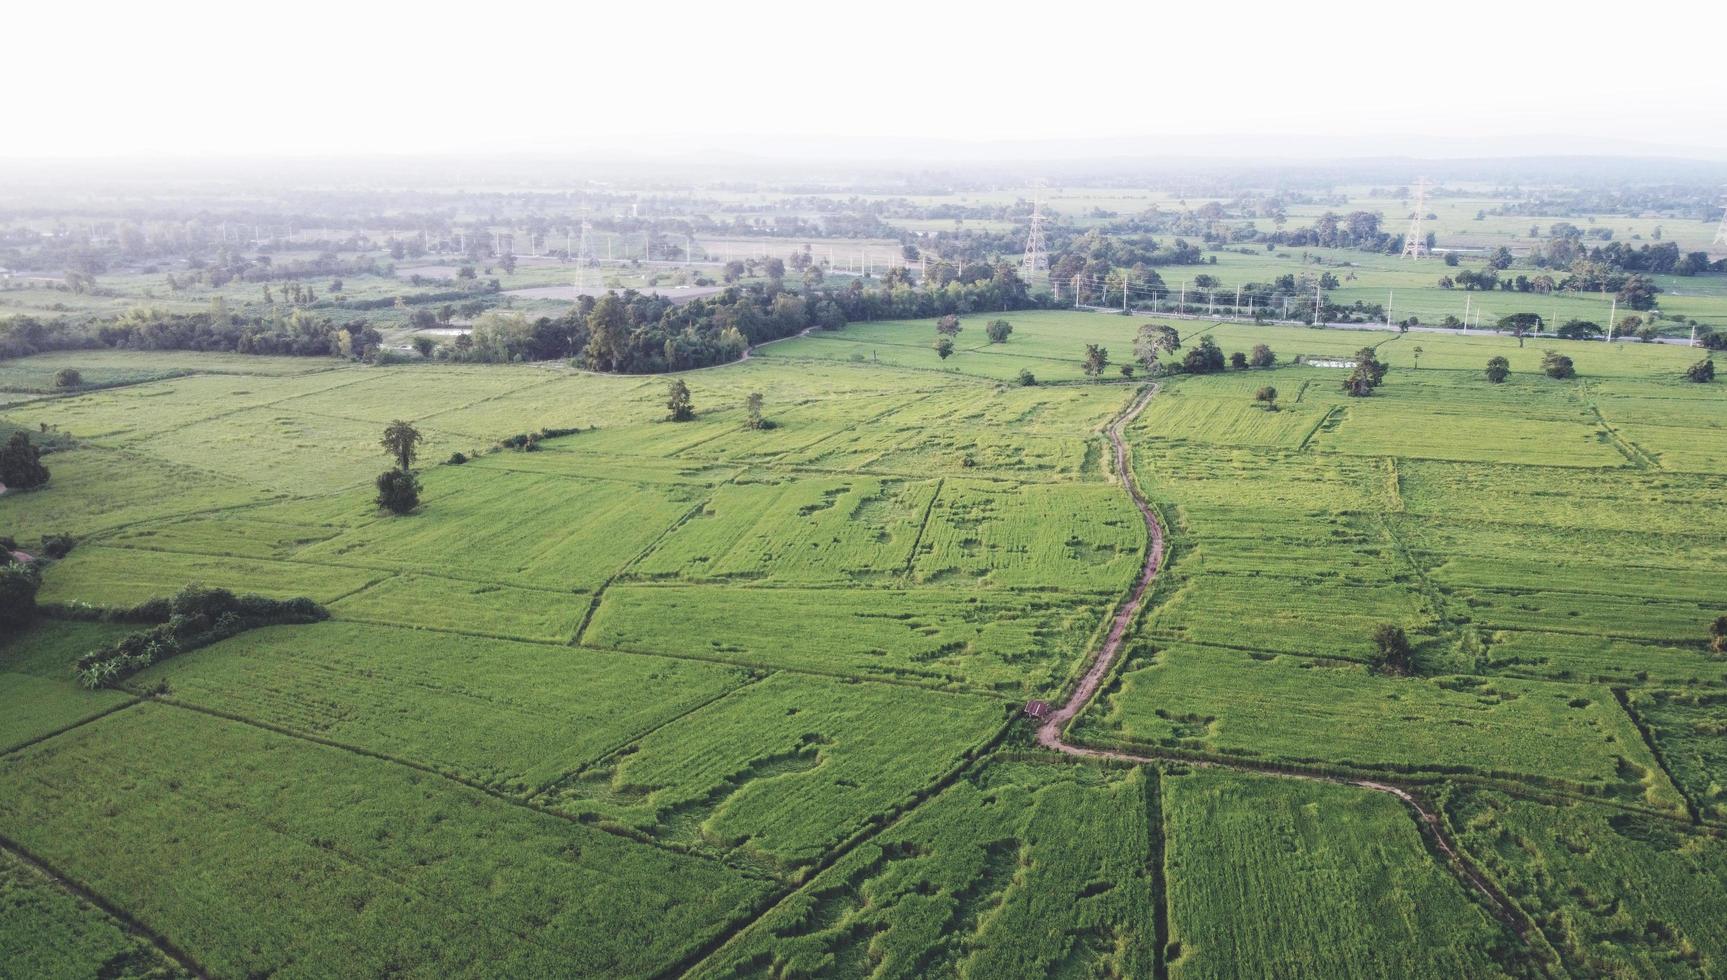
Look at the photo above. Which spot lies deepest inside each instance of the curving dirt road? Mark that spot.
(1051, 734)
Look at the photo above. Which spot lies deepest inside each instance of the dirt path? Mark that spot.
(1051, 734)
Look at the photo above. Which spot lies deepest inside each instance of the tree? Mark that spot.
(18, 584)
(402, 440)
(1718, 635)
(943, 347)
(1238, 360)
(1368, 374)
(1267, 396)
(1391, 650)
(678, 401)
(608, 334)
(1520, 324)
(1702, 372)
(425, 345)
(398, 491)
(753, 406)
(997, 331)
(734, 270)
(1416, 354)
(21, 464)
(1262, 356)
(1127, 370)
(1096, 359)
(774, 269)
(1558, 366)
(1026, 379)
(1498, 369)
(1579, 330)
(948, 326)
(1204, 357)
(1147, 345)
(68, 378)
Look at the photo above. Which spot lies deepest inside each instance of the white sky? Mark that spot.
(319, 78)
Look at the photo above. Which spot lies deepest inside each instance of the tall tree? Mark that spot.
(1096, 359)
(1391, 650)
(401, 440)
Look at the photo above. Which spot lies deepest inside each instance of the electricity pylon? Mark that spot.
(1034, 266)
(1414, 242)
(1721, 229)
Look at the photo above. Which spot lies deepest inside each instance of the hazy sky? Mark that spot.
(319, 78)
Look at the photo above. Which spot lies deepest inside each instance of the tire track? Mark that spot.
(1052, 734)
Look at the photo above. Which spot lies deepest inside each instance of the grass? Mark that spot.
(661, 695)
(1250, 861)
(1020, 870)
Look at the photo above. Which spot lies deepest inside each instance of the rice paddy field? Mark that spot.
(693, 699)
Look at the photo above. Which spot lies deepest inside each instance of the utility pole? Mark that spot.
(1612, 312)
(1414, 242)
(1316, 304)
(1466, 298)
(1721, 229)
(1390, 294)
(1076, 293)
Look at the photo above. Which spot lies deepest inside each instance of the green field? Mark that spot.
(663, 699)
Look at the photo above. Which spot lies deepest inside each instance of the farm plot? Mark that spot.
(1057, 536)
(413, 695)
(1378, 430)
(125, 416)
(261, 853)
(46, 931)
(1599, 659)
(1688, 727)
(780, 771)
(562, 533)
(807, 530)
(106, 368)
(120, 578)
(37, 694)
(463, 606)
(1280, 709)
(1019, 870)
(1615, 893)
(1250, 859)
(1257, 481)
(280, 451)
(994, 641)
(1638, 501)
(424, 393)
(1192, 413)
(92, 489)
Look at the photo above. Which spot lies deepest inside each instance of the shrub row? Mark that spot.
(193, 617)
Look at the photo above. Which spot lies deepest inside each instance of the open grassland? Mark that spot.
(1249, 859)
(1018, 870)
(660, 698)
(51, 932)
(263, 853)
(1615, 893)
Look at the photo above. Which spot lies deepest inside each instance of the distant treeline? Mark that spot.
(636, 333)
(296, 333)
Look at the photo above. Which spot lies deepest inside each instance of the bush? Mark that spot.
(1391, 646)
(1262, 356)
(1204, 358)
(398, 491)
(21, 464)
(997, 331)
(1558, 366)
(1498, 369)
(68, 378)
(18, 585)
(1702, 372)
(191, 618)
(57, 545)
(1026, 379)
(457, 458)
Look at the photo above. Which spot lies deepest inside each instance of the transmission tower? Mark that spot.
(1415, 242)
(1035, 265)
(584, 255)
(1721, 229)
